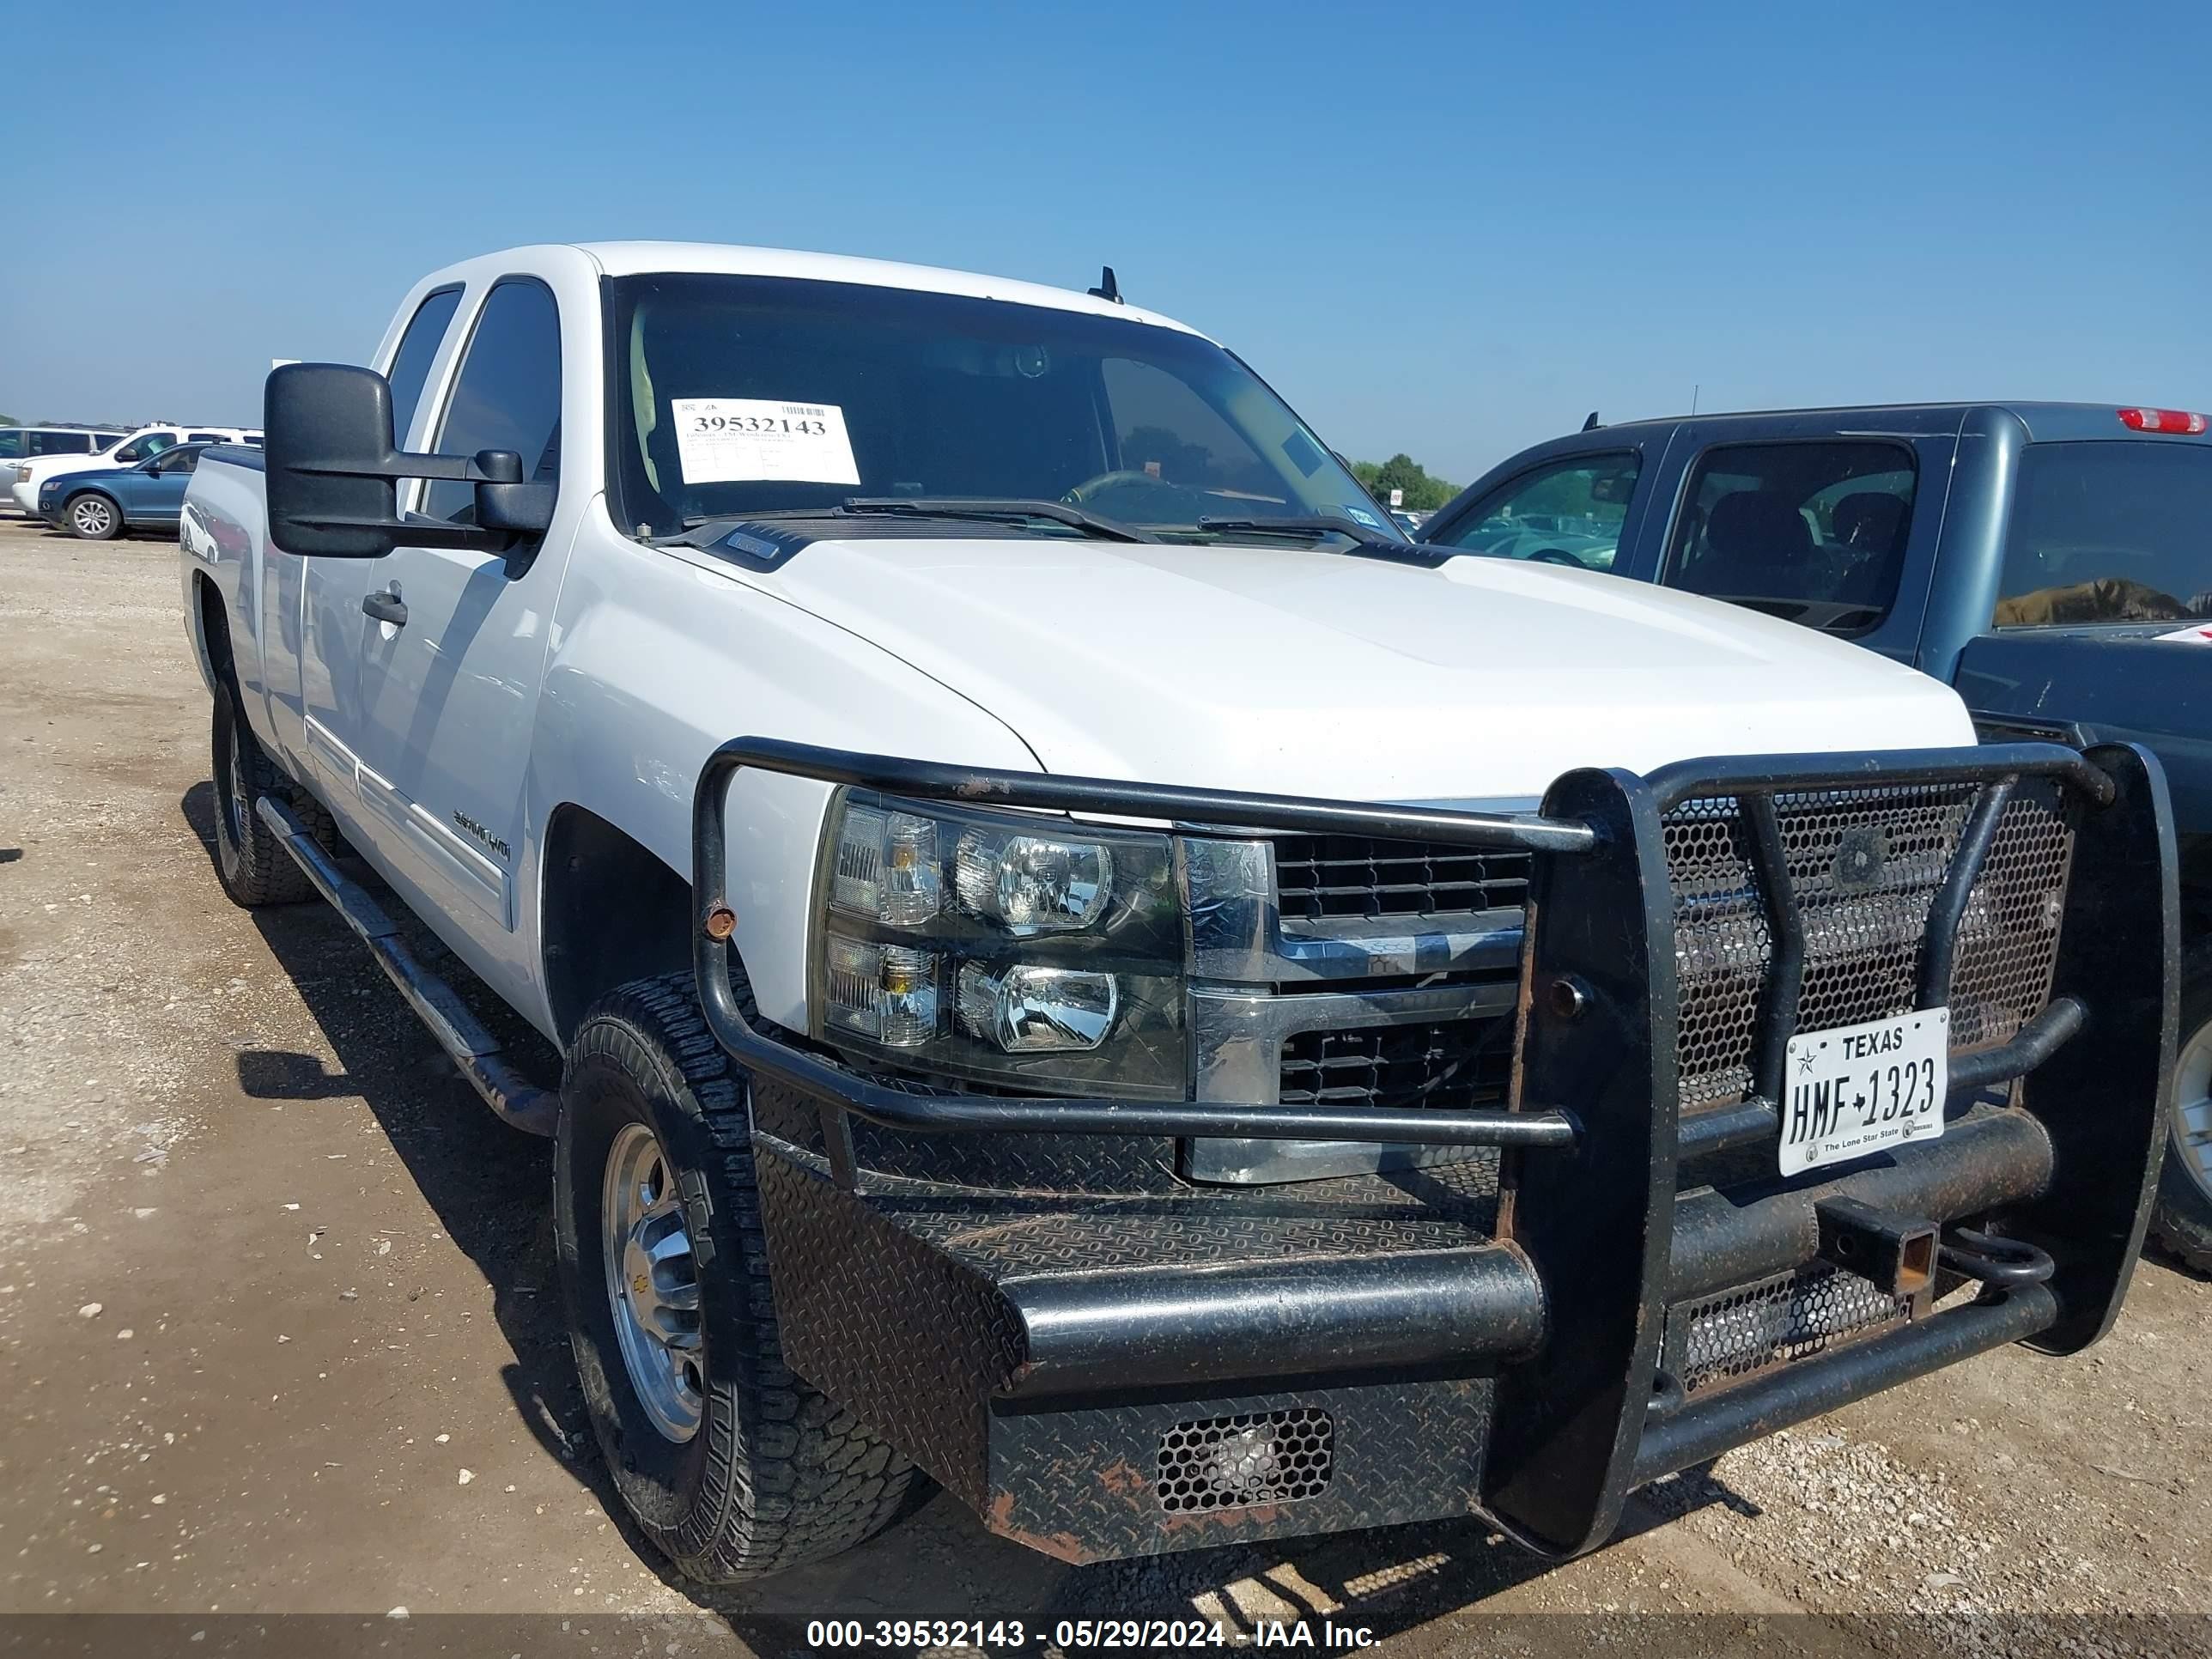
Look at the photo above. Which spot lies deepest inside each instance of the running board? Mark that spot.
(475, 1050)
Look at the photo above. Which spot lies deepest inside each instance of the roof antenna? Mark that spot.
(1591, 424)
(1107, 289)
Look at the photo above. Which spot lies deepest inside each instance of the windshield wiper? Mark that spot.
(1365, 543)
(998, 512)
(693, 521)
(1312, 528)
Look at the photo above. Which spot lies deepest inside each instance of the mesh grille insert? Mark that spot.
(1865, 865)
(1323, 876)
(1451, 1064)
(1789, 1316)
(1254, 1457)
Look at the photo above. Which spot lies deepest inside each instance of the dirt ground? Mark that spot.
(279, 1333)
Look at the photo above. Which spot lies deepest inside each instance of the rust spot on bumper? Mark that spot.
(1060, 1546)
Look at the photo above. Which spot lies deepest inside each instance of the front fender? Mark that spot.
(656, 661)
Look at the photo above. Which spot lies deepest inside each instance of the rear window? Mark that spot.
(418, 350)
(2109, 533)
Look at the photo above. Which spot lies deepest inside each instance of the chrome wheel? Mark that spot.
(92, 517)
(235, 805)
(2192, 1106)
(652, 1283)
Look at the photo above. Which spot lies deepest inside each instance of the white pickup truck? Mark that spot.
(1088, 964)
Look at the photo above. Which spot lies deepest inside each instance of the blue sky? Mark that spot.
(1437, 229)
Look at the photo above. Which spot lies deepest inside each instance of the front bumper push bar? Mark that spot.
(1041, 1351)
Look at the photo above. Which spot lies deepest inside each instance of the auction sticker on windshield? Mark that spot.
(1852, 1090)
(758, 440)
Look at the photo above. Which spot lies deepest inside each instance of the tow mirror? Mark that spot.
(332, 473)
(504, 501)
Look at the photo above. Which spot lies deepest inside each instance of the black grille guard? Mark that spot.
(1595, 1134)
(1576, 838)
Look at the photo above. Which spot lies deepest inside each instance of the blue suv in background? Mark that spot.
(98, 507)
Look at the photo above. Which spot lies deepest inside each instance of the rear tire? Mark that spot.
(254, 868)
(2183, 1220)
(92, 517)
(733, 1467)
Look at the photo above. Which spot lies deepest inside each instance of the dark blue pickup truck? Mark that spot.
(2051, 561)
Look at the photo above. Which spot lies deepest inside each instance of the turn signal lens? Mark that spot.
(887, 993)
(1029, 1010)
(887, 867)
(1032, 884)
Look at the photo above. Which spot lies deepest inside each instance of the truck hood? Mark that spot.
(1303, 671)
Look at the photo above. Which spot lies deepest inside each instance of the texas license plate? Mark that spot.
(1852, 1090)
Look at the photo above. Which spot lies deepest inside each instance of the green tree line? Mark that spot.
(1423, 493)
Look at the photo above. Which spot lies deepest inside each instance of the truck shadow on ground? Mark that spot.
(490, 1187)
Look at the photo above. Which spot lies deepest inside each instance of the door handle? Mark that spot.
(385, 608)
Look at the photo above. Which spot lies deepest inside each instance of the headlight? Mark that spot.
(1009, 948)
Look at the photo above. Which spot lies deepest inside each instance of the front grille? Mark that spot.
(1321, 877)
(1792, 1315)
(1865, 865)
(1451, 1064)
(1254, 1457)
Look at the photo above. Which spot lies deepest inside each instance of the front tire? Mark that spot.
(92, 517)
(731, 1465)
(2183, 1221)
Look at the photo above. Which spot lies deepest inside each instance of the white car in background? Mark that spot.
(23, 477)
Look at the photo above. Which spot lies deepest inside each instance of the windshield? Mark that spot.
(740, 396)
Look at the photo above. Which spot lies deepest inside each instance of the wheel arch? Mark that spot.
(211, 632)
(610, 910)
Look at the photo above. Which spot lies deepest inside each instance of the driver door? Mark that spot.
(453, 642)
